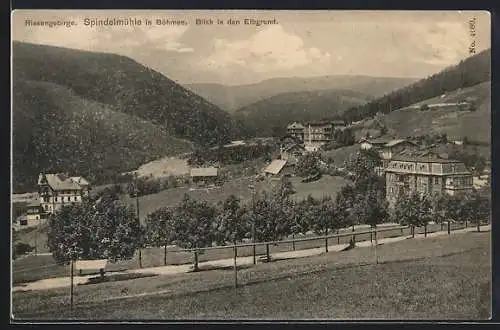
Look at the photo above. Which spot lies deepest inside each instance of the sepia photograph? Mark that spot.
(250, 165)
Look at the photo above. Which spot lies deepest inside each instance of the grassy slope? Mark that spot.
(456, 124)
(231, 98)
(238, 187)
(436, 278)
(78, 135)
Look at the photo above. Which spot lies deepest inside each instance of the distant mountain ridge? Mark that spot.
(231, 98)
(98, 114)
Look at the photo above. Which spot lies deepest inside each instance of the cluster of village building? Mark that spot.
(404, 164)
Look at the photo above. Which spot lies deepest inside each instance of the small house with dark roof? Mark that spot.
(56, 190)
(204, 176)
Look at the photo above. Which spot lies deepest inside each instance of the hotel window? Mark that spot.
(436, 180)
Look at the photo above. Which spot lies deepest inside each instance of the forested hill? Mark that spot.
(232, 98)
(126, 86)
(469, 72)
(269, 117)
(99, 115)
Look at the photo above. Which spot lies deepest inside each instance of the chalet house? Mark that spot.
(204, 176)
(296, 130)
(317, 134)
(33, 217)
(57, 190)
(426, 175)
(367, 144)
(394, 147)
(34, 212)
(387, 149)
(292, 153)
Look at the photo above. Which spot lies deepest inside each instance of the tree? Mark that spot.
(106, 229)
(345, 201)
(479, 165)
(324, 216)
(307, 165)
(407, 210)
(270, 218)
(363, 166)
(426, 211)
(373, 209)
(229, 224)
(299, 220)
(284, 189)
(476, 208)
(161, 229)
(193, 223)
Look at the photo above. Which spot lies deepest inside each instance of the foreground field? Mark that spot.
(446, 277)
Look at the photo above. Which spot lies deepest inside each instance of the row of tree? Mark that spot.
(106, 228)
(417, 210)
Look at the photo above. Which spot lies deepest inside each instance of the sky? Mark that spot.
(297, 43)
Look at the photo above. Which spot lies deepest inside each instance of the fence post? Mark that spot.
(425, 230)
(412, 231)
(165, 255)
(371, 235)
(267, 252)
(449, 229)
(338, 237)
(195, 260)
(478, 226)
(326, 244)
(466, 225)
(140, 258)
(293, 242)
(401, 227)
(254, 253)
(235, 266)
(71, 284)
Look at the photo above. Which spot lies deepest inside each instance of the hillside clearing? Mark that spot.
(436, 278)
(410, 121)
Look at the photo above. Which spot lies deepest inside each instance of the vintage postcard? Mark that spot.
(250, 165)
